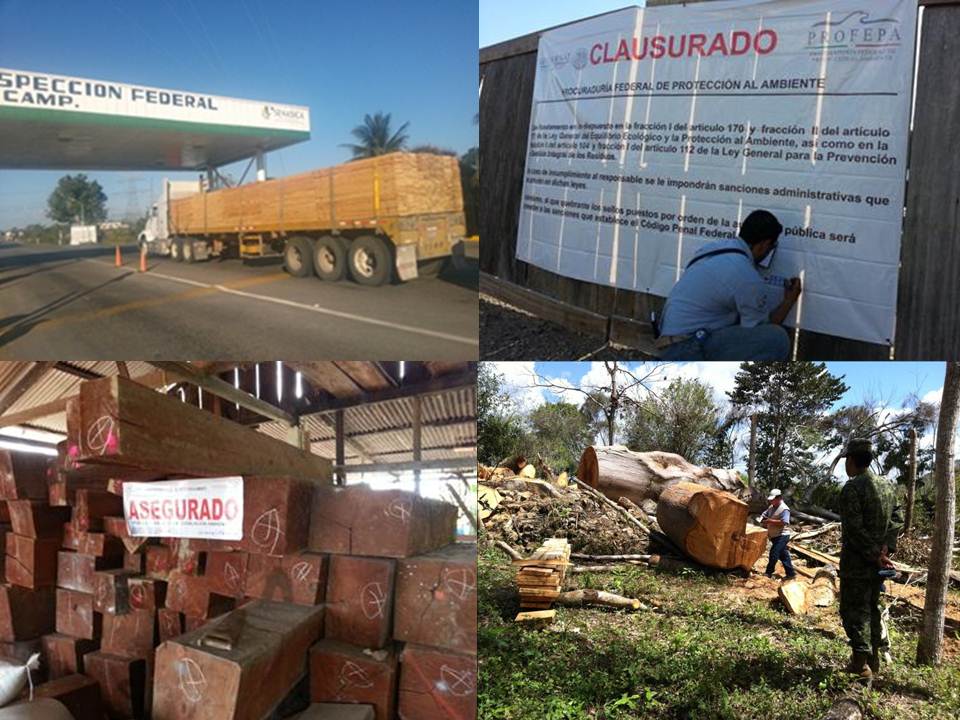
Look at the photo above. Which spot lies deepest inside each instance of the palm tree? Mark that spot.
(375, 137)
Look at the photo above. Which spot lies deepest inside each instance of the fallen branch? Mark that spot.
(601, 568)
(609, 558)
(598, 597)
(603, 498)
(514, 555)
(814, 533)
(809, 518)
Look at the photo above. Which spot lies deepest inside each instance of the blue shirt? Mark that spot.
(717, 292)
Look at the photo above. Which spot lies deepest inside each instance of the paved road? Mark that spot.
(73, 303)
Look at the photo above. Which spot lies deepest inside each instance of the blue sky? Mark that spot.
(506, 19)
(415, 60)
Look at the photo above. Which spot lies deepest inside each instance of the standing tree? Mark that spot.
(560, 432)
(77, 199)
(604, 403)
(375, 137)
(683, 419)
(500, 428)
(930, 647)
(788, 400)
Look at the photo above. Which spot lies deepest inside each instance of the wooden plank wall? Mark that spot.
(928, 317)
(507, 71)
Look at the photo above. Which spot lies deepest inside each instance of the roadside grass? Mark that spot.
(699, 651)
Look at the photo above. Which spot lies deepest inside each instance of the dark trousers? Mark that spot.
(861, 616)
(778, 551)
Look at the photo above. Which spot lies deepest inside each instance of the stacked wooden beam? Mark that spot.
(362, 591)
(540, 577)
(401, 606)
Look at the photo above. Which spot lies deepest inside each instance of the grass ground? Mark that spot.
(708, 647)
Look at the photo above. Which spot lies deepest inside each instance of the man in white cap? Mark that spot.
(776, 519)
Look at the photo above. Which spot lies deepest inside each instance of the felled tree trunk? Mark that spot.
(710, 526)
(597, 597)
(618, 472)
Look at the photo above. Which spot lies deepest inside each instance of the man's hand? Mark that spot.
(791, 293)
(792, 290)
(884, 561)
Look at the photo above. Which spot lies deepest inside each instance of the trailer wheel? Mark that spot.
(370, 261)
(298, 256)
(187, 251)
(176, 249)
(330, 258)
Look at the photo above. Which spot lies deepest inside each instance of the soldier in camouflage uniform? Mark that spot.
(871, 521)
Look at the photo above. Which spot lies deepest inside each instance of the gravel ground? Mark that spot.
(508, 333)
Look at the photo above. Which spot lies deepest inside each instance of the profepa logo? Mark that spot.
(857, 31)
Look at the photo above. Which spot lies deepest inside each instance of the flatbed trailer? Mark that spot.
(396, 215)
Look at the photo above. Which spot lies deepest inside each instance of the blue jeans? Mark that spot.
(778, 551)
(763, 342)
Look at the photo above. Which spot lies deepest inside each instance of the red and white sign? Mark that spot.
(210, 508)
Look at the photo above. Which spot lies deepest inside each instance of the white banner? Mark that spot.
(655, 131)
(42, 91)
(211, 508)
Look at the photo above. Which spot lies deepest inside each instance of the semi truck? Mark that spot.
(391, 216)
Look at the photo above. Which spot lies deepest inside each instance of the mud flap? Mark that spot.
(406, 262)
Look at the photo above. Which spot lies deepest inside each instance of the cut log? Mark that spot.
(793, 595)
(360, 600)
(823, 590)
(342, 673)
(78, 693)
(436, 599)
(514, 555)
(609, 558)
(121, 422)
(618, 472)
(63, 654)
(382, 523)
(299, 578)
(710, 526)
(123, 683)
(23, 476)
(436, 684)
(597, 597)
(268, 655)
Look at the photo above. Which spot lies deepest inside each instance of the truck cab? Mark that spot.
(155, 237)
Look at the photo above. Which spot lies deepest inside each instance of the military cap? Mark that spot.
(858, 445)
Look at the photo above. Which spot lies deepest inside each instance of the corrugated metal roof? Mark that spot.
(382, 429)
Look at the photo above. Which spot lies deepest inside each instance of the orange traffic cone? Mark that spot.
(143, 259)
(117, 261)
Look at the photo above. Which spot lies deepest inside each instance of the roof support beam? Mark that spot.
(225, 390)
(36, 371)
(465, 463)
(79, 372)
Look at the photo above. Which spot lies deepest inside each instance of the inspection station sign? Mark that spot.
(655, 131)
(43, 91)
(210, 508)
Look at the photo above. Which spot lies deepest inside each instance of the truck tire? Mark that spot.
(330, 258)
(186, 249)
(176, 249)
(370, 261)
(298, 256)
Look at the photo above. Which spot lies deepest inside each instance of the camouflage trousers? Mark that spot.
(861, 615)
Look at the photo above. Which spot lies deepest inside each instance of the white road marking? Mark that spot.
(325, 311)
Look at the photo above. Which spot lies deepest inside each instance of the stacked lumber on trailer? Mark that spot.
(540, 577)
(619, 472)
(710, 526)
(354, 194)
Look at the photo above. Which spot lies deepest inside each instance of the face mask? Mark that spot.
(767, 259)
